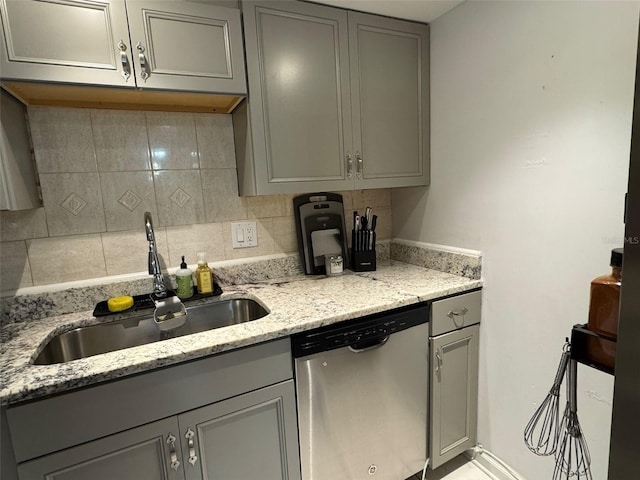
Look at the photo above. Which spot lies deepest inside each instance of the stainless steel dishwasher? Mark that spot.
(362, 389)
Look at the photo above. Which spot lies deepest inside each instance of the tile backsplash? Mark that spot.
(100, 170)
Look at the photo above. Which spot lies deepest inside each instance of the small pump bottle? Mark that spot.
(204, 276)
(184, 280)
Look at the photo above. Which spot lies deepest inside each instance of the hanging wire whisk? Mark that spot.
(543, 430)
(572, 456)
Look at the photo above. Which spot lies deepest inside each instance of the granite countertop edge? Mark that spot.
(295, 304)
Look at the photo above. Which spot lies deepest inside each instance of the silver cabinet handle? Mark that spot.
(175, 463)
(457, 313)
(124, 60)
(349, 165)
(360, 165)
(192, 450)
(438, 362)
(144, 65)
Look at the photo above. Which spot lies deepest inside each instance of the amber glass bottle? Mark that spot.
(604, 305)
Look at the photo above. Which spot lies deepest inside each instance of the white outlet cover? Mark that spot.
(244, 234)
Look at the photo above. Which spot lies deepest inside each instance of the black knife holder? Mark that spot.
(363, 261)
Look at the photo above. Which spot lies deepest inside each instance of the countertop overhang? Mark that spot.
(295, 304)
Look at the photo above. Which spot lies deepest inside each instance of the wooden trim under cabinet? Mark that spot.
(62, 95)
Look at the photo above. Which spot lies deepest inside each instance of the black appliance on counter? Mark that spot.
(320, 229)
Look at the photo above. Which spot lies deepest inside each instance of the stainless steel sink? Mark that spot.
(87, 341)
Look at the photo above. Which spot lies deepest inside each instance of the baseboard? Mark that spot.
(492, 465)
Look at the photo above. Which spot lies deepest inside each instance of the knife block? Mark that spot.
(363, 261)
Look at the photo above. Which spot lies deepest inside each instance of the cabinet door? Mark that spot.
(298, 72)
(390, 98)
(65, 41)
(187, 46)
(143, 453)
(454, 394)
(250, 436)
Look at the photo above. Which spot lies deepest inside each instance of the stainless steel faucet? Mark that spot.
(159, 289)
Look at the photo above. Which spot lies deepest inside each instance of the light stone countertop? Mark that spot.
(295, 304)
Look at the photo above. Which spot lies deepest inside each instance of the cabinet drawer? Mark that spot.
(455, 312)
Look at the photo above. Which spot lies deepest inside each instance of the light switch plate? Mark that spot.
(244, 234)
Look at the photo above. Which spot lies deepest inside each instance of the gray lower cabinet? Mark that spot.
(338, 100)
(152, 44)
(142, 453)
(454, 377)
(228, 416)
(244, 437)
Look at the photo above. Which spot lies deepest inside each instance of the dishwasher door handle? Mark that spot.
(380, 342)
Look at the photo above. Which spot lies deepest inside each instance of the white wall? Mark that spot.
(531, 121)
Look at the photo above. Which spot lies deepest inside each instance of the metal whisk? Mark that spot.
(572, 456)
(543, 430)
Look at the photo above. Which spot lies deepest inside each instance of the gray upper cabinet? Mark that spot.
(179, 45)
(299, 111)
(18, 190)
(64, 41)
(337, 100)
(390, 101)
(187, 46)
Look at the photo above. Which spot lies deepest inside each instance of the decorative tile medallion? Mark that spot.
(180, 197)
(129, 200)
(74, 204)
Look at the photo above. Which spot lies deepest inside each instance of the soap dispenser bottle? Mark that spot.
(184, 280)
(204, 276)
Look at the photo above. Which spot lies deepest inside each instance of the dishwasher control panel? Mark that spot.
(371, 328)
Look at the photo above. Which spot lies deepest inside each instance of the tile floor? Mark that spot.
(457, 469)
